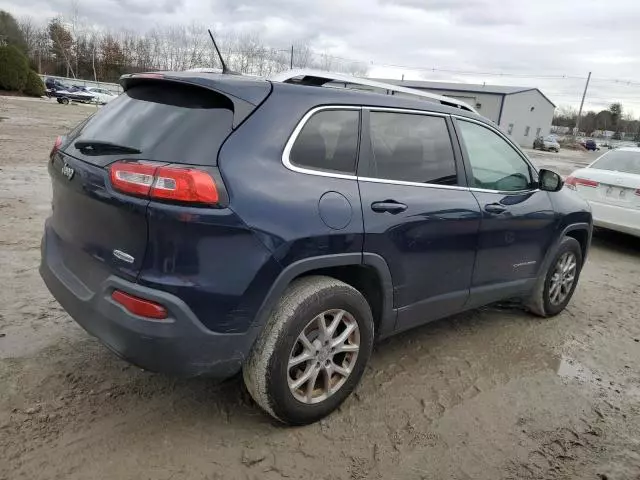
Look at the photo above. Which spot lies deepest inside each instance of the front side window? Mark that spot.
(495, 164)
(411, 148)
(328, 141)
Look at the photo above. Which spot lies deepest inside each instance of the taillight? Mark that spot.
(179, 184)
(56, 146)
(573, 182)
(140, 306)
(132, 177)
(638, 192)
(184, 185)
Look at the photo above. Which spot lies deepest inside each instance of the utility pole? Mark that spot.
(291, 63)
(584, 94)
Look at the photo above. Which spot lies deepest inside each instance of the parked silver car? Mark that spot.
(549, 144)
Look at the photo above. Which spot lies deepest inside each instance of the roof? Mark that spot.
(319, 78)
(308, 97)
(464, 87)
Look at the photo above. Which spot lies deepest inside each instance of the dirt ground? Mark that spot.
(494, 393)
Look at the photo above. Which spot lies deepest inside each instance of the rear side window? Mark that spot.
(164, 121)
(411, 148)
(328, 141)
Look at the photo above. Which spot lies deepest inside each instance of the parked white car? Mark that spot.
(611, 185)
(102, 95)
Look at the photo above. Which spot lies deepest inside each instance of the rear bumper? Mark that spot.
(180, 345)
(617, 218)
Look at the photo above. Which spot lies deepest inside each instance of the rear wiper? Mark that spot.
(98, 147)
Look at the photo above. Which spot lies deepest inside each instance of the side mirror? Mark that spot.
(549, 181)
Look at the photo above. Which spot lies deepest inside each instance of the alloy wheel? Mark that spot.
(563, 278)
(323, 356)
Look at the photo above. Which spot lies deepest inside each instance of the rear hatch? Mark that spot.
(98, 229)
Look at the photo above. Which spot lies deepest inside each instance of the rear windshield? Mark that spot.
(164, 121)
(619, 161)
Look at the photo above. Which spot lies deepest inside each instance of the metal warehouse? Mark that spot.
(521, 112)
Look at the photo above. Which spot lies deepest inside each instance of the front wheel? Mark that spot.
(312, 352)
(555, 288)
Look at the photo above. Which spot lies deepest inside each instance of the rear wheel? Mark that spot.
(312, 352)
(555, 289)
(64, 101)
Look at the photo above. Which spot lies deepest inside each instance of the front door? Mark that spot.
(418, 213)
(517, 218)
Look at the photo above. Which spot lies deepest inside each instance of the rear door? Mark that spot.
(96, 230)
(418, 213)
(518, 220)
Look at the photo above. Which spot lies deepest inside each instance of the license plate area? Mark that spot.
(620, 194)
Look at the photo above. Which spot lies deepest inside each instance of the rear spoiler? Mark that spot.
(244, 92)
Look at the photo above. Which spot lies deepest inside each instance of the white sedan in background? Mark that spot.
(611, 185)
(101, 95)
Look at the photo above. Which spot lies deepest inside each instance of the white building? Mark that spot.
(521, 112)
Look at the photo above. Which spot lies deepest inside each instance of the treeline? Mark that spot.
(15, 72)
(71, 48)
(612, 119)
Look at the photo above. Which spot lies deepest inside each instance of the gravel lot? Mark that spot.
(494, 393)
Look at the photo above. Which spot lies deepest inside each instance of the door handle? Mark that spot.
(390, 206)
(495, 208)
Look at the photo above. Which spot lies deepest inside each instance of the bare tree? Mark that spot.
(88, 51)
(62, 42)
(29, 31)
(75, 24)
(301, 55)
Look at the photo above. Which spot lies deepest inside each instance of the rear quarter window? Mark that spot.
(165, 121)
(328, 141)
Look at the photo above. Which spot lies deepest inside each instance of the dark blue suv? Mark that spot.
(209, 224)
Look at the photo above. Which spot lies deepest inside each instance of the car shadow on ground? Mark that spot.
(620, 242)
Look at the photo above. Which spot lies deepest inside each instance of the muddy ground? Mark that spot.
(494, 393)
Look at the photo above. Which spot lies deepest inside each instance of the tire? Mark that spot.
(542, 301)
(305, 303)
(64, 101)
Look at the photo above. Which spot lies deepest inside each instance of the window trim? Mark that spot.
(525, 159)
(294, 136)
(286, 161)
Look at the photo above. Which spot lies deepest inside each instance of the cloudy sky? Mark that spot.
(549, 44)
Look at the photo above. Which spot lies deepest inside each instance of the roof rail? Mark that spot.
(320, 78)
